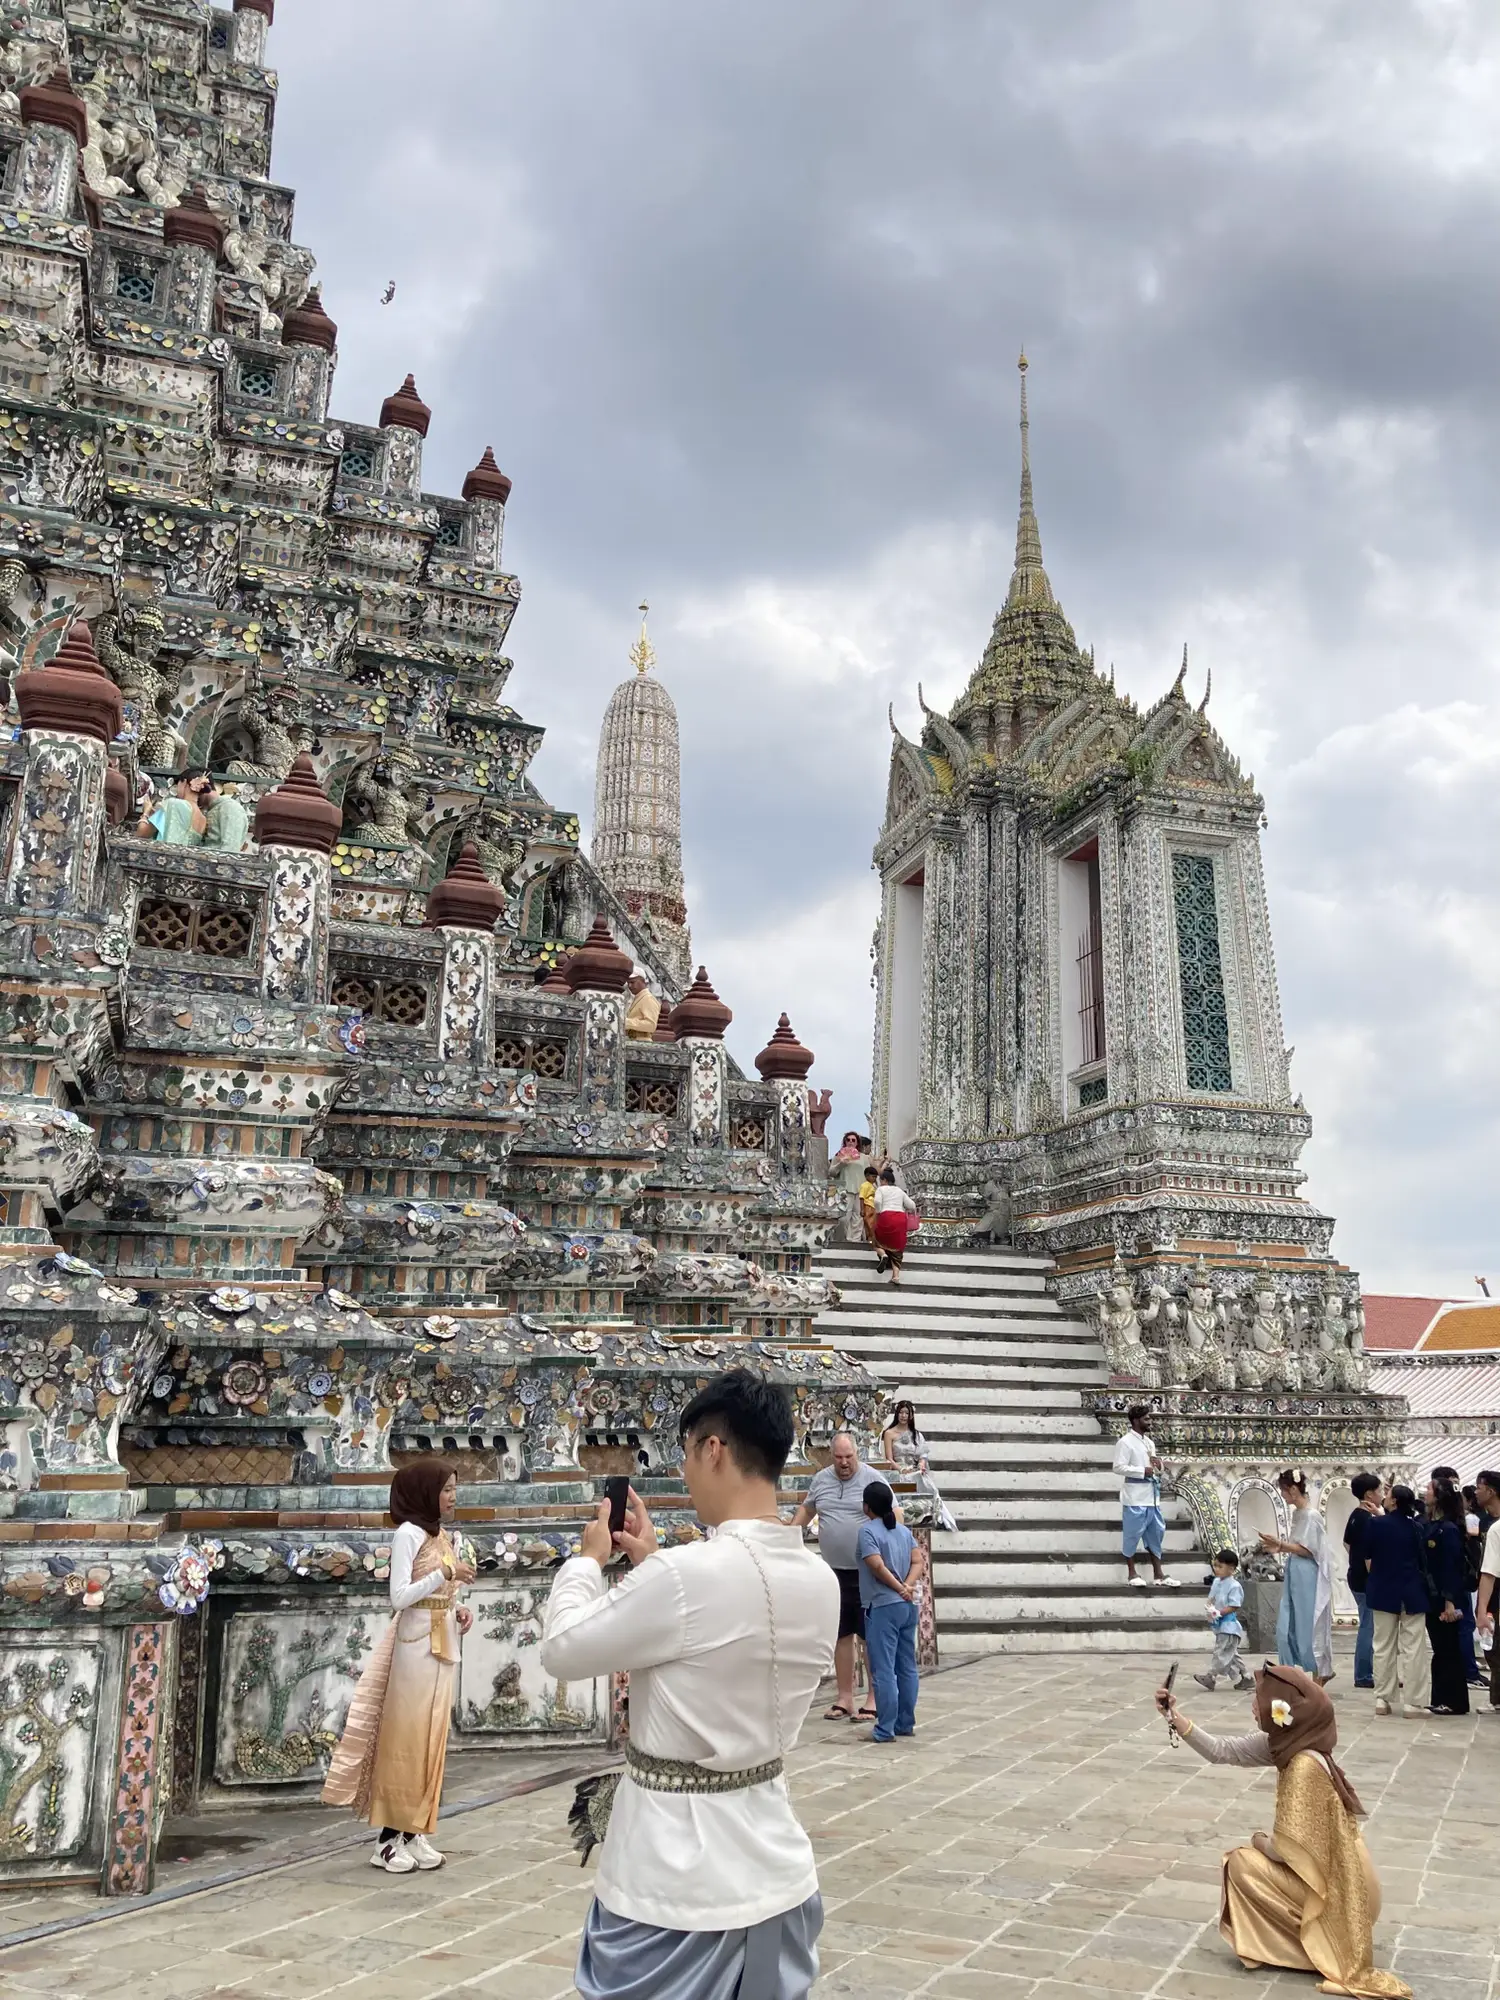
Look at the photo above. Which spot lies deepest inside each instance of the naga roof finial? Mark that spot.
(643, 653)
(1181, 674)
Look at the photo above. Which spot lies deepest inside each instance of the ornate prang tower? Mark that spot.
(1077, 992)
(638, 808)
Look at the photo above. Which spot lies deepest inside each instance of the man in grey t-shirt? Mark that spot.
(836, 1495)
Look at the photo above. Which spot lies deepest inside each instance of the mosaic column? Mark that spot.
(698, 1021)
(296, 826)
(464, 908)
(57, 128)
(139, 1799)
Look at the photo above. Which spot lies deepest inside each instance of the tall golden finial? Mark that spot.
(1029, 579)
(643, 653)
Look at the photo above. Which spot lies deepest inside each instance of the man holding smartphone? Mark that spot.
(706, 1882)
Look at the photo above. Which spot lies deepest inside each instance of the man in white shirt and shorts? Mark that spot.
(1141, 1519)
(707, 1882)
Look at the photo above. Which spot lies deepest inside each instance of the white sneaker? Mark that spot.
(1137, 1583)
(1172, 1582)
(391, 1855)
(422, 1851)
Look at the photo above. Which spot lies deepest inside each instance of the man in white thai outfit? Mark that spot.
(707, 1884)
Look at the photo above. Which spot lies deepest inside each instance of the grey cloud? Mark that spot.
(736, 296)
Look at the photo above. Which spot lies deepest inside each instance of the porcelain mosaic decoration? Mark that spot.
(332, 1151)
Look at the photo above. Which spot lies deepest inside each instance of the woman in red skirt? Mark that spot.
(895, 1219)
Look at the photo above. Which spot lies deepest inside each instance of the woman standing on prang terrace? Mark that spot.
(389, 1763)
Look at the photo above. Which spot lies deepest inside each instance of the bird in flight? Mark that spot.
(389, 293)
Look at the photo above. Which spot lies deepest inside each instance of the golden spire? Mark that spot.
(643, 653)
(1028, 583)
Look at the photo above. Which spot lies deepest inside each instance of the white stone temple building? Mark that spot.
(1077, 990)
(637, 844)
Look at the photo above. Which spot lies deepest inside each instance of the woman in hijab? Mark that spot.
(389, 1763)
(1306, 1895)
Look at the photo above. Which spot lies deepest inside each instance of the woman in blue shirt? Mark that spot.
(887, 1591)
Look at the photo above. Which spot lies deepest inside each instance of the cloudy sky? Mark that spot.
(736, 294)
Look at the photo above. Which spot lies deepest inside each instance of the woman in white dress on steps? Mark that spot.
(906, 1448)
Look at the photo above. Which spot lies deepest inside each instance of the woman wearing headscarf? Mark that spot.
(390, 1760)
(1306, 1895)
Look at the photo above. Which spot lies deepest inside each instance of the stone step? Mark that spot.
(858, 1255)
(1097, 1484)
(1114, 1602)
(1041, 1457)
(950, 1343)
(995, 1538)
(919, 1280)
(954, 1387)
(1047, 1573)
(959, 1638)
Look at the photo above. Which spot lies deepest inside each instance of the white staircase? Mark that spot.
(994, 1368)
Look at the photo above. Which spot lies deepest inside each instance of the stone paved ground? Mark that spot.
(1039, 1839)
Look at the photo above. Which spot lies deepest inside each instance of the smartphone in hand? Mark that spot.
(1164, 1700)
(617, 1493)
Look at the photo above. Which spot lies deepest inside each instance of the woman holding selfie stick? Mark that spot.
(1306, 1895)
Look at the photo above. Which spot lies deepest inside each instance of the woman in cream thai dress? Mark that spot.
(1306, 1895)
(389, 1763)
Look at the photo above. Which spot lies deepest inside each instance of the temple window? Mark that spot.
(358, 462)
(1205, 1015)
(206, 928)
(258, 379)
(450, 532)
(546, 1056)
(748, 1134)
(660, 1097)
(1081, 970)
(396, 1003)
(218, 32)
(135, 281)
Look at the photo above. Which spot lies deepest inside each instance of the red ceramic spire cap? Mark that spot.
(487, 481)
(74, 695)
(665, 1032)
(466, 899)
(266, 7)
(55, 102)
(298, 813)
(308, 325)
(599, 965)
(700, 1015)
(557, 977)
(784, 1056)
(406, 409)
(193, 221)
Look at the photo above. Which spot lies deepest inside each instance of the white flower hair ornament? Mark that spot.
(1281, 1714)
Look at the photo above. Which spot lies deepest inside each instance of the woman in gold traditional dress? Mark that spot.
(389, 1763)
(1305, 1896)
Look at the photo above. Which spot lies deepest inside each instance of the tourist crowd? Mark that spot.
(1424, 1575)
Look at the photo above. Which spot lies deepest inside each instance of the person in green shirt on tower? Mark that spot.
(227, 820)
(178, 820)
